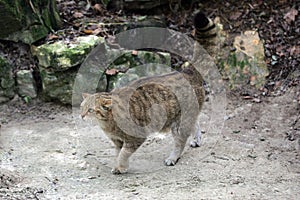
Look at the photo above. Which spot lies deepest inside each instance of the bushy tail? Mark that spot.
(205, 28)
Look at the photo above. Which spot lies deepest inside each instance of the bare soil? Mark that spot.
(46, 153)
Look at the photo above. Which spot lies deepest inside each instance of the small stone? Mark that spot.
(26, 84)
(236, 131)
(262, 139)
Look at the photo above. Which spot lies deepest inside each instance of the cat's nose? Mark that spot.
(82, 116)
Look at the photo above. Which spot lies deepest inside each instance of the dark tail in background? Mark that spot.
(205, 28)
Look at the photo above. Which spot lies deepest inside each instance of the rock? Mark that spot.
(7, 82)
(62, 55)
(26, 84)
(27, 21)
(57, 86)
(247, 64)
(139, 64)
(64, 80)
(59, 63)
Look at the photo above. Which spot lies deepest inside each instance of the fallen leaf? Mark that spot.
(97, 7)
(78, 15)
(88, 31)
(295, 50)
(247, 97)
(97, 31)
(235, 15)
(278, 84)
(77, 25)
(52, 36)
(111, 72)
(291, 15)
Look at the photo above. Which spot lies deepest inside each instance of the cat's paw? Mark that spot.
(195, 144)
(171, 162)
(119, 170)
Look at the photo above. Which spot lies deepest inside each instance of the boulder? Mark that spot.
(27, 21)
(246, 64)
(7, 82)
(59, 63)
(136, 64)
(26, 84)
(57, 86)
(63, 55)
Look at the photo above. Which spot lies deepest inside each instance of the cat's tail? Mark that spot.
(205, 28)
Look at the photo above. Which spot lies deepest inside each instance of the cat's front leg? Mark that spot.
(123, 158)
(118, 146)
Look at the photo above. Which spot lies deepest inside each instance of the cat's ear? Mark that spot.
(85, 95)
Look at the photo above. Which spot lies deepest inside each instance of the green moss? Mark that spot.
(61, 56)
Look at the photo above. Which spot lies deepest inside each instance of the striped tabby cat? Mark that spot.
(114, 110)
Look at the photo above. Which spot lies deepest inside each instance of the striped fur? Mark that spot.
(205, 30)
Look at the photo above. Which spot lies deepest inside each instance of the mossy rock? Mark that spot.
(59, 64)
(7, 82)
(58, 86)
(26, 84)
(61, 55)
(138, 64)
(246, 65)
(28, 21)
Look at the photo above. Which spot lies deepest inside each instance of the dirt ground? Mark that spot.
(47, 153)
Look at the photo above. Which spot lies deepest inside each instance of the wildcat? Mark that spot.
(173, 92)
(134, 103)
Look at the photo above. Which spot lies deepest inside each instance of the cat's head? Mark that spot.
(97, 105)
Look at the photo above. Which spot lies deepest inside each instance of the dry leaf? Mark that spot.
(291, 15)
(97, 31)
(52, 37)
(235, 15)
(111, 72)
(97, 7)
(88, 31)
(295, 50)
(78, 15)
(247, 97)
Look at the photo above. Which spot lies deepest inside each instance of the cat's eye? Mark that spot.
(90, 110)
(105, 108)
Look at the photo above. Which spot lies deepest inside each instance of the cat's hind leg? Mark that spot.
(197, 136)
(179, 144)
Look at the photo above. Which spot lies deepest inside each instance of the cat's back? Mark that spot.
(169, 91)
